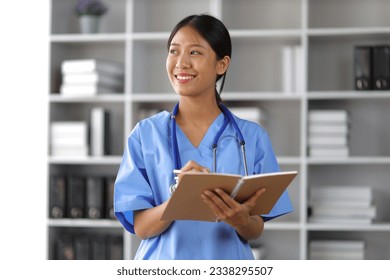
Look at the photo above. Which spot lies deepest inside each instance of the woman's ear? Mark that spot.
(223, 65)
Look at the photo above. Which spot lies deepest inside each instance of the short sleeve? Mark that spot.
(132, 190)
(266, 162)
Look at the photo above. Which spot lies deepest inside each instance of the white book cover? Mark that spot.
(288, 70)
(299, 70)
(328, 128)
(98, 131)
(337, 245)
(90, 65)
(339, 202)
(346, 192)
(337, 255)
(83, 90)
(339, 220)
(69, 151)
(345, 211)
(247, 113)
(328, 140)
(328, 115)
(94, 78)
(62, 140)
(342, 151)
(69, 128)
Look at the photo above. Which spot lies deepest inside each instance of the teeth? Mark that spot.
(184, 77)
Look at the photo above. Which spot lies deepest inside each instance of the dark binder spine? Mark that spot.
(99, 248)
(381, 67)
(57, 208)
(110, 183)
(82, 248)
(363, 67)
(115, 248)
(95, 198)
(76, 197)
(64, 248)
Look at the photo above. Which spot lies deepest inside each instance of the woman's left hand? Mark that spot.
(234, 213)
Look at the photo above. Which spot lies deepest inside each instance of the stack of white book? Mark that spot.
(253, 114)
(69, 138)
(336, 250)
(342, 204)
(328, 133)
(88, 77)
(292, 70)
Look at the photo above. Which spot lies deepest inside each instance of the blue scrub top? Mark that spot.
(145, 175)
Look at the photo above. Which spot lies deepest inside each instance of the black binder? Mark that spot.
(76, 197)
(363, 67)
(81, 248)
(57, 204)
(99, 248)
(115, 248)
(64, 248)
(110, 182)
(381, 67)
(95, 197)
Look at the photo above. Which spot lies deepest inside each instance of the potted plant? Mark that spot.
(89, 12)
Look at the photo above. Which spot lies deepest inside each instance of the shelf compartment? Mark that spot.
(361, 13)
(268, 14)
(377, 246)
(64, 20)
(154, 22)
(81, 112)
(369, 131)
(331, 61)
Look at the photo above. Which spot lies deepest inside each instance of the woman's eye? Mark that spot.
(195, 52)
(172, 51)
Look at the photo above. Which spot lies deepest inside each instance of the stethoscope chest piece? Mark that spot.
(172, 188)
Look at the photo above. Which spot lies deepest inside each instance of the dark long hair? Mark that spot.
(215, 33)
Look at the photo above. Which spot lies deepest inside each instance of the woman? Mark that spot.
(199, 54)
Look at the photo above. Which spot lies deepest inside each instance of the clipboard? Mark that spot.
(186, 202)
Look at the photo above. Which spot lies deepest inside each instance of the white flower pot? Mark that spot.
(89, 24)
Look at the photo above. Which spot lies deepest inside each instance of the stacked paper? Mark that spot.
(69, 138)
(342, 204)
(328, 133)
(253, 114)
(336, 250)
(88, 77)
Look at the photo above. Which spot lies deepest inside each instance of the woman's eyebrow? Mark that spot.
(191, 45)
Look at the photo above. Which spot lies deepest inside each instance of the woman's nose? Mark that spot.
(183, 62)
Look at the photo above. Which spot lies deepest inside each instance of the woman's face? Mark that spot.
(192, 65)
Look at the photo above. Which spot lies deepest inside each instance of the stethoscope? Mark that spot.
(175, 148)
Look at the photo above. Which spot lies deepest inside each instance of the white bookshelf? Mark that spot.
(135, 33)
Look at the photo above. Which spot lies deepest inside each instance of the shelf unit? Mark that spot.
(134, 32)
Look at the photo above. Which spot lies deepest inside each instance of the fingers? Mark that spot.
(194, 167)
(251, 202)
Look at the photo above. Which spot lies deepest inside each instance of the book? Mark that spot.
(93, 78)
(329, 151)
(99, 132)
(344, 211)
(95, 197)
(112, 68)
(186, 202)
(64, 248)
(57, 196)
(328, 116)
(76, 197)
(83, 90)
(363, 67)
(109, 197)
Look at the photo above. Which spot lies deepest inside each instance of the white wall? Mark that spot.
(24, 29)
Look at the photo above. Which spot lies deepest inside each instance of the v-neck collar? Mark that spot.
(208, 138)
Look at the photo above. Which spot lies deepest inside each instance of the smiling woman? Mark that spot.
(199, 55)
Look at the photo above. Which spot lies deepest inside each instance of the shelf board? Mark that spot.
(349, 227)
(103, 223)
(117, 97)
(282, 225)
(86, 160)
(81, 38)
(353, 31)
(348, 160)
(265, 33)
(373, 94)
